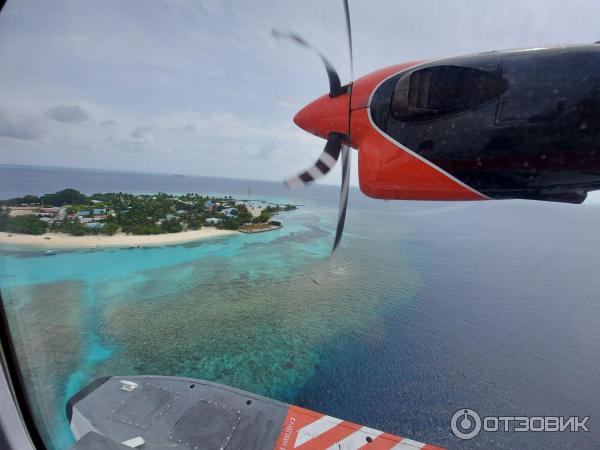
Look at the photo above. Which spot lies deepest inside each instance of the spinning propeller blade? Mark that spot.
(335, 85)
(343, 196)
(324, 164)
(349, 31)
(336, 142)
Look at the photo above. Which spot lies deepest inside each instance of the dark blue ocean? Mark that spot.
(426, 308)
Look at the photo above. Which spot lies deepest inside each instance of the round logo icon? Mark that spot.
(465, 424)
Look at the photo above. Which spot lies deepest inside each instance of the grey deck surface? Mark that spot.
(178, 413)
(95, 441)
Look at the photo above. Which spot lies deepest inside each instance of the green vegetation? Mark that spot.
(263, 217)
(22, 224)
(73, 227)
(72, 212)
(60, 198)
(64, 197)
(171, 226)
(26, 200)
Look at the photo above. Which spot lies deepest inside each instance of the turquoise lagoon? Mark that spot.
(425, 309)
(252, 311)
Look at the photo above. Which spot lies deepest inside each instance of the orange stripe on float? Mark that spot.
(432, 447)
(384, 441)
(295, 419)
(330, 437)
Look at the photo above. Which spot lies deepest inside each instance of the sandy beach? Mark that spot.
(61, 240)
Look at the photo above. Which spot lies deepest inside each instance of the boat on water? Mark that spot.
(49, 253)
(134, 246)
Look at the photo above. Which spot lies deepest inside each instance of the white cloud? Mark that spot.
(20, 126)
(202, 87)
(67, 114)
(141, 132)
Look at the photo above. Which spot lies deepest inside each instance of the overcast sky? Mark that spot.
(201, 87)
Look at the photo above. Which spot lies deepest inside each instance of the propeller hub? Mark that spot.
(325, 115)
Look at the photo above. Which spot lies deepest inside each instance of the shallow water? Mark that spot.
(426, 308)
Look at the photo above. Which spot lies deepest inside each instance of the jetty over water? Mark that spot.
(261, 227)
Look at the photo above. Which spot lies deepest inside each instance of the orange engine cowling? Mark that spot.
(325, 115)
(387, 170)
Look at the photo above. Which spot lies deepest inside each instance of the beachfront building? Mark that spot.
(49, 210)
(21, 211)
(94, 225)
(213, 220)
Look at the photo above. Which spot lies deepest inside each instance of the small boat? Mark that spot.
(49, 253)
(134, 246)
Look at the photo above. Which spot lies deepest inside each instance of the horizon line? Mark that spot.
(36, 166)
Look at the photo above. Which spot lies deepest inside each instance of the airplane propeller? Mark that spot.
(337, 142)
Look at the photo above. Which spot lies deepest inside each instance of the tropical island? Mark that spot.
(129, 219)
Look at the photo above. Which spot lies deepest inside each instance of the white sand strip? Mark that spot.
(61, 240)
